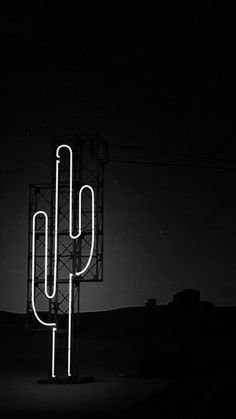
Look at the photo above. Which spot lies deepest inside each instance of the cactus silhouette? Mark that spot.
(51, 295)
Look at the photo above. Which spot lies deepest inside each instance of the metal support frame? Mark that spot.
(89, 157)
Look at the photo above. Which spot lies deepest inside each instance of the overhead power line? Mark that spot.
(174, 153)
(152, 163)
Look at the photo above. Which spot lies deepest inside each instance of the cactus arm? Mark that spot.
(52, 325)
(45, 266)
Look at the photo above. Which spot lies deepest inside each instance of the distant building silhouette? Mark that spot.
(190, 315)
(187, 298)
(151, 302)
(190, 298)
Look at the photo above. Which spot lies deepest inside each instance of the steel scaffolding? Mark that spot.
(89, 157)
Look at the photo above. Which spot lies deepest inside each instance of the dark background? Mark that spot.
(156, 79)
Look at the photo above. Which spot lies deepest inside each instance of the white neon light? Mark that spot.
(73, 237)
(54, 329)
(45, 264)
(69, 327)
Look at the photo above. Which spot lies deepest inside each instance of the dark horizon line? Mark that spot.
(134, 307)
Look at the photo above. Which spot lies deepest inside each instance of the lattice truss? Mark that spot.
(89, 156)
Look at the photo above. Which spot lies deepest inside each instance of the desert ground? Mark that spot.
(139, 367)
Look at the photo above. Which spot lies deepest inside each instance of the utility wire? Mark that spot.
(174, 153)
(151, 163)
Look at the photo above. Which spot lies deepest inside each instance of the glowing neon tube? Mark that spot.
(45, 264)
(73, 237)
(82, 270)
(53, 325)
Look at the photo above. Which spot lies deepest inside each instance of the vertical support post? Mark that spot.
(101, 227)
(78, 261)
(28, 259)
(52, 315)
(76, 163)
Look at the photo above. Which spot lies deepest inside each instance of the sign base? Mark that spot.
(67, 380)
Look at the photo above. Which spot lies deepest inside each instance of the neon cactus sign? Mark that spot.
(51, 295)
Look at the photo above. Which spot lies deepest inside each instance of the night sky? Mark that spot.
(162, 80)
